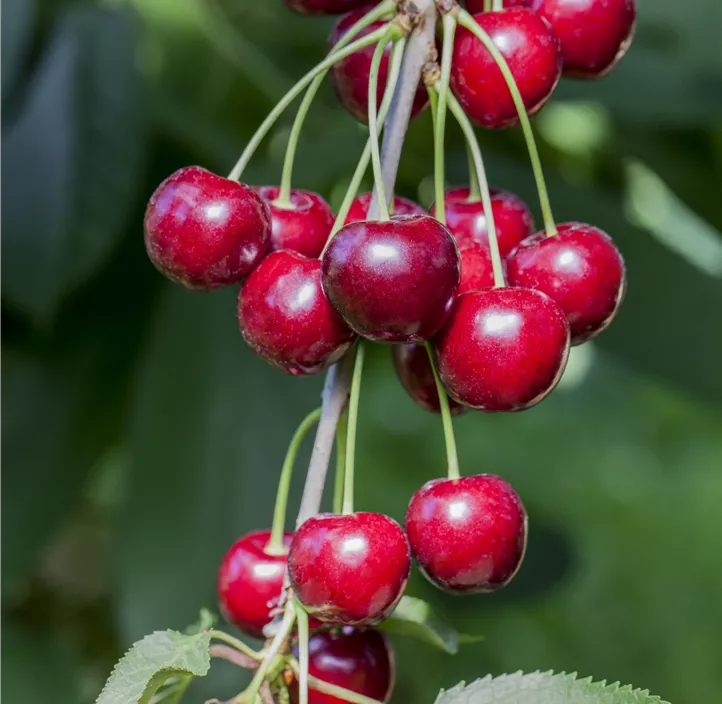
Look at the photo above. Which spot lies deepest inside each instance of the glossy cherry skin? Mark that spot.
(467, 221)
(503, 349)
(360, 208)
(350, 76)
(393, 281)
(349, 569)
(250, 582)
(594, 35)
(580, 268)
(361, 661)
(286, 318)
(413, 368)
(467, 535)
(534, 59)
(204, 231)
(477, 271)
(304, 227)
(324, 7)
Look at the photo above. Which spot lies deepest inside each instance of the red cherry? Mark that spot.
(475, 6)
(360, 208)
(349, 569)
(467, 221)
(304, 226)
(467, 535)
(250, 582)
(594, 35)
(392, 281)
(204, 231)
(530, 49)
(350, 76)
(286, 318)
(323, 7)
(360, 661)
(413, 368)
(477, 271)
(580, 268)
(503, 349)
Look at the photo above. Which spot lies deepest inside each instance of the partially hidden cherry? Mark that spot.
(303, 226)
(350, 76)
(477, 271)
(323, 7)
(286, 318)
(392, 281)
(594, 35)
(503, 349)
(532, 53)
(349, 569)
(205, 231)
(359, 209)
(467, 535)
(580, 268)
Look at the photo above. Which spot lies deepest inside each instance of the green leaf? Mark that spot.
(205, 622)
(151, 662)
(544, 688)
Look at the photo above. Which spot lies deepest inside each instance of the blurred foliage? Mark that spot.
(141, 436)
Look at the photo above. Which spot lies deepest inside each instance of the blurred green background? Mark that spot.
(140, 436)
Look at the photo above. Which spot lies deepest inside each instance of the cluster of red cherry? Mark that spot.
(477, 305)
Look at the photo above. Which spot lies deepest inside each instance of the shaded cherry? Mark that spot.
(324, 7)
(503, 349)
(350, 76)
(530, 49)
(205, 231)
(392, 281)
(580, 268)
(594, 35)
(477, 271)
(286, 318)
(304, 226)
(349, 569)
(361, 661)
(401, 206)
(467, 221)
(413, 368)
(467, 535)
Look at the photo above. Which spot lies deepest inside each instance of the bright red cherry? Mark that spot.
(477, 271)
(286, 318)
(413, 368)
(392, 281)
(530, 49)
(594, 35)
(467, 221)
(349, 569)
(250, 581)
(580, 268)
(204, 231)
(475, 6)
(360, 208)
(503, 349)
(323, 7)
(304, 226)
(357, 660)
(467, 535)
(350, 76)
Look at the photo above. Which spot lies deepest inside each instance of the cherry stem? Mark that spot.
(284, 195)
(473, 147)
(497, 5)
(302, 620)
(334, 690)
(474, 191)
(487, 5)
(236, 643)
(292, 94)
(358, 367)
(275, 543)
(340, 465)
(466, 20)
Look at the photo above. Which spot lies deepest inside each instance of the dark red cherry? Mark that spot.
(349, 569)
(594, 35)
(350, 76)
(304, 226)
(413, 368)
(402, 206)
(467, 221)
(204, 231)
(530, 49)
(475, 6)
(503, 349)
(467, 535)
(477, 271)
(392, 281)
(580, 268)
(361, 661)
(250, 581)
(286, 318)
(323, 7)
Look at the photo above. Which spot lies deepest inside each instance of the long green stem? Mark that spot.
(275, 544)
(368, 40)
(352, 423)
(466, 20)
(236, 643)
(497, 5)
(340, 465)
(302, 621)
(474, 192)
